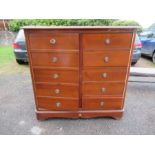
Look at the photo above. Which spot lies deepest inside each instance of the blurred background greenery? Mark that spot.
(15, 25)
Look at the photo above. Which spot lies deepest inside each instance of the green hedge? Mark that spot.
(15, 25)
(127, 23)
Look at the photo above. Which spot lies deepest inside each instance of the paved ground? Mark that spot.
(17, 112)
(144, 62)
(17, 107)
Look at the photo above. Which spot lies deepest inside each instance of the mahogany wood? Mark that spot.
(56, 75)
(105, 74)
(57, 90)
(64, 41)
(103, 88)
(102, 103)
(63, 59)
(53, 103)
(98, 41)
(79, 72)
(97, 59)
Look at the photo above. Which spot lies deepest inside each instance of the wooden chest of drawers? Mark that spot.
(79, 71)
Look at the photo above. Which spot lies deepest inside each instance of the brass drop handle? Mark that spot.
(101, 103)
(107, 41)
(55, 76)
(54, 59)
(53, 41)
(103, 90)
(104, 75)
(58, 104)
(57, 91)
(106, 59)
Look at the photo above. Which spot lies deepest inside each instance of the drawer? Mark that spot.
(62, 41)
(106, 58)
(105, 41)
(111, 103)
(48, 103)
(56, 75)
(57, 90)
(103, 88)
(105, 74)
(55, 59)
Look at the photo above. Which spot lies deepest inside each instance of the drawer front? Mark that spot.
(105, 74)
(55, 59)
(57, 90)
(107, 41)
(102, 103)
(110, 58)
(104, 88)
(45, 103)
(53, 75)
(64, 41)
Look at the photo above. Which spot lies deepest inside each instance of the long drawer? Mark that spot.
(48, 103)
(104, 103)
(55, 59)
(103, 88)
(107, 41)
(50, 40)
(57, 90)
(105, 74)
(56, 75)
(106, 58)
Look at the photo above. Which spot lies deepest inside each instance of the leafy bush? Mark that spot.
(127, 23)
(15, 25)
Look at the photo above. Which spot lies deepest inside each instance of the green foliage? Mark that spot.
(127, 23)
(15, 25)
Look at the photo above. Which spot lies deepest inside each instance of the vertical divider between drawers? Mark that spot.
(80, 69)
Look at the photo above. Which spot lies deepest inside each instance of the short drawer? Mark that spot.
(56, 75)
(55, 59)
(48, 103)
(106, 58)
(103, 88)
(111, 103)
(57, 90)
(105, 41)
(105, 74)
(64, 41)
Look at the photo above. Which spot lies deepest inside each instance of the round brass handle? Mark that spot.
(80, 115)
(53, 41)
(55, 76)
(57, 91)
(106, 59)
(107, 41)
(103, 90)
(54, 59)
(101, 103)
(58, 104)
(104, 75)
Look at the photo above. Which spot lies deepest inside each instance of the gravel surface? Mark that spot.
(17, 114)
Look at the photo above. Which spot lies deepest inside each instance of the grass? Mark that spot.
(6, 55)
(8, 62)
